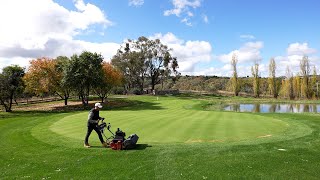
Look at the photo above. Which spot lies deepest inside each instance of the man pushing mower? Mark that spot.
(93, 120)
(117, 141)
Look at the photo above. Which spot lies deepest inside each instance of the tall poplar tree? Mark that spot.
(256, 79)
(305, 73)
(235, 84)
(272, 78)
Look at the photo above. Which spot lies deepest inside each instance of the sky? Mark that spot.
(203, 34)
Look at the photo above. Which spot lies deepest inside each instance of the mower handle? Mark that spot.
(108, 124)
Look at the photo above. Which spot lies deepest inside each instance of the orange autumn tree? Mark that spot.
(44, 76)
(112, 77)
(40, 76)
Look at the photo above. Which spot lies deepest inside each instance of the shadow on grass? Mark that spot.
(141, 147)
(197, 96)
(28, 114)
(132, 105)
(138, 147)
(111, 104)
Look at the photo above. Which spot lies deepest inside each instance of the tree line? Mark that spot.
(140, 63)
(80, 74)
(302, 85)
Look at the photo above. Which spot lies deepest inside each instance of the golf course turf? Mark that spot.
(178, 140)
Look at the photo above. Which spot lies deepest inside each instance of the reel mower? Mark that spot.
(117, 140)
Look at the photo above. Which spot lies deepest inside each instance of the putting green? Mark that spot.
(170, 122)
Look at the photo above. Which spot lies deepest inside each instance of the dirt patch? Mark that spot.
(201, 140)
(194, 141)
(265, 136)
(216, 140)
(52, 106)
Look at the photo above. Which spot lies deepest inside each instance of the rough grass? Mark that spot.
(178, 140)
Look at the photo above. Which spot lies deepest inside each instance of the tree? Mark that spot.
(256, 79)
(131, 64)
(44, 76)
(234, 81)
(297, 86)
(158, 59)
(11, 85)
(112, 77)
(40, 76)
(305, 73)
(83, 73)
(289, 83)
(272, 78)
(63, 90)
(176, 75)
(145, 59)
(314, 83)
(287, 87)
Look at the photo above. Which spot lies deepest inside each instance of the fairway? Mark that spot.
(178, 140)
(172, 122)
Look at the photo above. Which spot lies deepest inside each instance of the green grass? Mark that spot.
(178, 140)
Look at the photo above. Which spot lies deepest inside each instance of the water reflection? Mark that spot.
(273, 108)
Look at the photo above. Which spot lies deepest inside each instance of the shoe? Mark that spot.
(87, 145)
(104, 144)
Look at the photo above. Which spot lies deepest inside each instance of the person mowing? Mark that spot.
(93, 120)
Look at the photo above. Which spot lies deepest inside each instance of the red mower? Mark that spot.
(117, 140)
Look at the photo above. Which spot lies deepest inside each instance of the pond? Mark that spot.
(273, 108)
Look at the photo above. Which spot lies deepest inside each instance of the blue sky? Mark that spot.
(204, 34)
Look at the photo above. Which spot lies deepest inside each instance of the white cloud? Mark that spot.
(190, 14)
(293, 62)
(295, 53)
(247, 37)
(300, 49)
(188, 53)
(249, 52)
(168, 38)
(36, 28)
(223, 71)
(210, 71)
(205, 18)
(215, 71)
(86, 15)
(186, 21)
(136, 3)
(247, 55)
(23, 62)
(183, 7)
